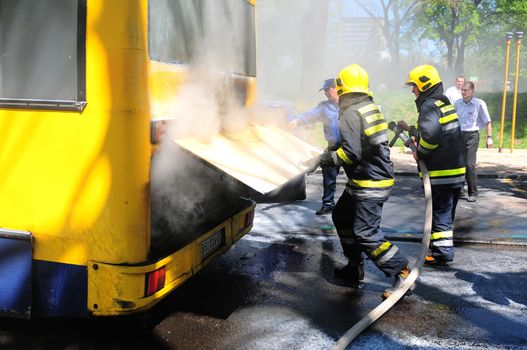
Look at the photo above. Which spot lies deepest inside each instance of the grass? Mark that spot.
(400, 105)
(494, 103)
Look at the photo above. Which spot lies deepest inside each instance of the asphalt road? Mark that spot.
(275, 288)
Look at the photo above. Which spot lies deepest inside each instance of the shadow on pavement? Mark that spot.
(74, 333)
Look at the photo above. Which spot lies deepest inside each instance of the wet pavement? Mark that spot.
(275, 288)
(499, 215)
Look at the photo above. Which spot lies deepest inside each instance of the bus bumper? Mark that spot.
(126, 289)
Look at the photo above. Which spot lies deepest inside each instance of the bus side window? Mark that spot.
(42, 52)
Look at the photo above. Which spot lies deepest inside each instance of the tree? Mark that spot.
(452, 23)
(459, 23)
(395, 15)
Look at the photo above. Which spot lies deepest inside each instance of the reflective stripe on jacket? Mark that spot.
(364, 150)
(440, 141)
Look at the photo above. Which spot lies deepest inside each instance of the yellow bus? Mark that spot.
(81, 230)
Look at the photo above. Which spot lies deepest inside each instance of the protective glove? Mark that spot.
(329, 159)
(489, 142)
(401, 124)
(311, 165)
(412, 131)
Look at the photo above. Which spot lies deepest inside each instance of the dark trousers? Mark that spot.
(329, 181)
(471, 139)
(444, 203)
(358, 227)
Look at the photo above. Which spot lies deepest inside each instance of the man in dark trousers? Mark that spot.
(365, 156)
(440, 146)
(326, 112)
(473, 116)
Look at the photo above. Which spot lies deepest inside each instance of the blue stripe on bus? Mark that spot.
(59, 289)
(15, 277)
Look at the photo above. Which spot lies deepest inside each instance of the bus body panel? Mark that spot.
(79, 180)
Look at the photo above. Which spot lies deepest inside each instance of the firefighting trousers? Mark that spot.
(444, 202)
(358, 226)
(329, 181)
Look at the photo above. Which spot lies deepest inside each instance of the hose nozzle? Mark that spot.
(393, 127)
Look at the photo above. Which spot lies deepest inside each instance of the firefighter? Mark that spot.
(440, 146)
(365, 157)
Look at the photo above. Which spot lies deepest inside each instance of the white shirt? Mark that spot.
(453, 94)
(473, 115)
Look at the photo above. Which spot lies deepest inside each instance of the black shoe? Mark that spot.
(325, 209)
(431, 261)
(354, 274)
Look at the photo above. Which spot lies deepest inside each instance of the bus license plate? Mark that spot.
(212, 243)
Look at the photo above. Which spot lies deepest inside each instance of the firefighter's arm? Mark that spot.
(350, 152)
(429, 131)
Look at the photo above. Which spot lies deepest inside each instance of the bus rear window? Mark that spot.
(215, 32)
(42, 54)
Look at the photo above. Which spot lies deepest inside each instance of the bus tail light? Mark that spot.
(249, 217)
(155, 281)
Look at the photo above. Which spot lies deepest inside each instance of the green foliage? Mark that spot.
(447, 20)
(511, 12)
(473, 28)
(397, 105)
(455, 24)
(494, 104)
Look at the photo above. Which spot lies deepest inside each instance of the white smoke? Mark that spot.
(185, 192)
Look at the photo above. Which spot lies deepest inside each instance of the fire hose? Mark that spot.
(387, 304)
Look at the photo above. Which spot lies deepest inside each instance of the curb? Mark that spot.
(411, 238)
(482, 175)
(461, 241)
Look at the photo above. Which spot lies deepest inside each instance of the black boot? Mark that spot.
(352, 273)
(324, 209)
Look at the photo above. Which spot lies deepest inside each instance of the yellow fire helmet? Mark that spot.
(353, 78)
(424, 77)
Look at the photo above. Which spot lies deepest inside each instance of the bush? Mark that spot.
(494, 104)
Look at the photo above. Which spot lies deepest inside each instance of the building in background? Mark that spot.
(358, 40)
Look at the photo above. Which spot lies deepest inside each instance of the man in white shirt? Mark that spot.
(454, 92)
(473, 116)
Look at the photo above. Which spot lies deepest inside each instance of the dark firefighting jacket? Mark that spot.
(364, 151)
(439, 139)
